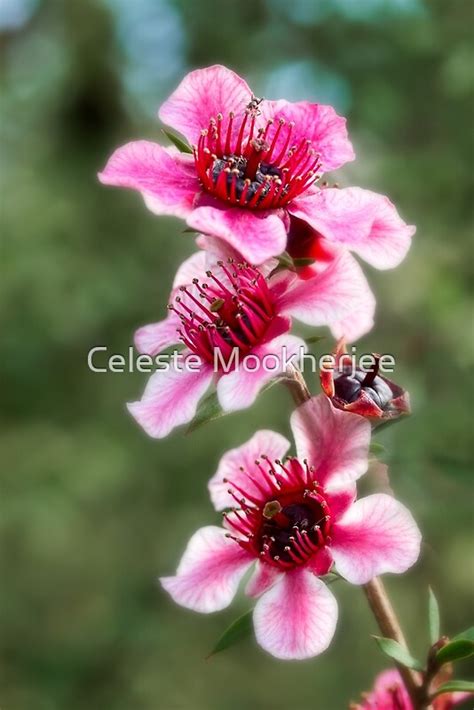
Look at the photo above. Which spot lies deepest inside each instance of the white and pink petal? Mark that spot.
(297, 617)
(360, 220)
(338, 296)
(171, 398)
(209, 572)
(238, 466)
(263, 577)
(318, 123)
(165, 178)
(239, 388)
(376, 535)
(202, 95)
(335, 442)
(258, 236)
(153, 338)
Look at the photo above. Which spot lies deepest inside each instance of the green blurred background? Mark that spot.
(92, 509)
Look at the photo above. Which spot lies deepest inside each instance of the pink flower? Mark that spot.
(389, 693)
(234, 310)
(254, 165)
(295, 518)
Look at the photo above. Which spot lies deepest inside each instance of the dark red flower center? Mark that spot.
(254, 167)
(232, 309)
(348, 386)
(290, 522)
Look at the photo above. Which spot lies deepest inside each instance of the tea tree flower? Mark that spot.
(253, 169)
(231, 313)
(295, 518)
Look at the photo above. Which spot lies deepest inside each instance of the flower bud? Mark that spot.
(363, 392)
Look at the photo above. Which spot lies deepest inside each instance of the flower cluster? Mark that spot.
(275, 245)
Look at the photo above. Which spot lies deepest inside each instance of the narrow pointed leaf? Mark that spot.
(433, 616)
(398, 653)
(467, 634)
(303, 261)
(181, 145)
(208, 410)
(384, 424)
(240, 629)
(285, 260)
(454, 686)
(376, 448)
(315, 338)
(455, 651)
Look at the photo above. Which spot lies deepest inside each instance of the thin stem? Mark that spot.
(374, 590)
(389, 625)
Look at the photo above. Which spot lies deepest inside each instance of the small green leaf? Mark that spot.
(285, 260)
(455, 650)
(467, 634)
(181, 145)
(208, 410)
(376, 448)
(315, 338)
(385, 423)
(454, 686)
(237, 631)
(398, 653)
(433, 616)
(303, 261)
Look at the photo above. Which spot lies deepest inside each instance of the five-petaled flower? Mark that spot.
(252, 177)
(363, 392)
(295, 517)
(228, 312)
(389, 693)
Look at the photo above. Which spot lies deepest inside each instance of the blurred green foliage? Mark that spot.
(93, 510)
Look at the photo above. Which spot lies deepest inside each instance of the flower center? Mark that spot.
(254, 167)
(230, 310)
(349, 385)
(290, 522)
